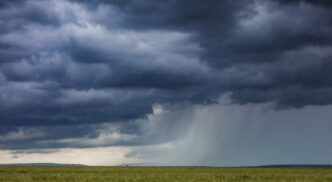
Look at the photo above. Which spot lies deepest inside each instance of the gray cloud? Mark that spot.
(71, 68)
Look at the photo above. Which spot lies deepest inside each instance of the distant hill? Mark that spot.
(297, 166)
(142, 164)
(40, 164)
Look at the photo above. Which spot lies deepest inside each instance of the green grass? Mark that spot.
(159, 174)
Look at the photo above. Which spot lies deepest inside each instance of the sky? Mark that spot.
(169, 82)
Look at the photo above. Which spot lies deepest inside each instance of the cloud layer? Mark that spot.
(102, 73)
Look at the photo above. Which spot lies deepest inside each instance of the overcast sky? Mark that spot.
(168, 82)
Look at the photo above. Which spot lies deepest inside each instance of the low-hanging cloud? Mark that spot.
(219, 134)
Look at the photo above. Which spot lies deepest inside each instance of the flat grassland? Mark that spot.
(160, 174)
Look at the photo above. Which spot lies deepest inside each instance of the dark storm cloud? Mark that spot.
(139, 132)
(323, 3)
(187, 15)
(278, 49)
(88, 62)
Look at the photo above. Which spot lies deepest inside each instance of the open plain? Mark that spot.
(160, 174)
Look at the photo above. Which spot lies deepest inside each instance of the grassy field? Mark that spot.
(159, 174)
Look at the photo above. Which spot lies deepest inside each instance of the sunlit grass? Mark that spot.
(159, 174)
